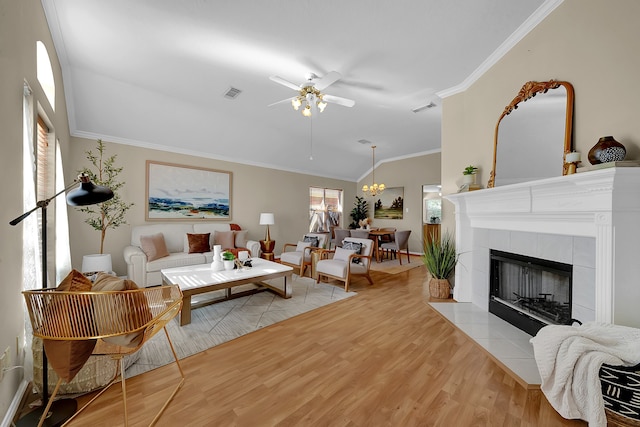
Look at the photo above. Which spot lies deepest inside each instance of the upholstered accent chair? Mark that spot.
(339, 235)
(400, 243)
(352, 259)
(75, 325)
(298, 255)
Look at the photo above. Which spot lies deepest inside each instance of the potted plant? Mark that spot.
(440, 258)
(109, 214)
(469, 174)
(359, 212)
(228, 259)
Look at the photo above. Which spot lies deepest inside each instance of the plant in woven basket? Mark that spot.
(440, 258)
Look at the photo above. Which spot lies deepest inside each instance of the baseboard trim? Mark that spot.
(15, 404)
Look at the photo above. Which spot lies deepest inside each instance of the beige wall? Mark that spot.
(590, 43)
(22, 24)
(255, 190)
(412, 174)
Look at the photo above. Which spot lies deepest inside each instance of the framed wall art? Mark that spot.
(390, 204)
(178, 192)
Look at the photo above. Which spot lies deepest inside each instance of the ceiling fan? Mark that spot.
(310, 96)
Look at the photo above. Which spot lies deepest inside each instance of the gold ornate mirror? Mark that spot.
(532, 137)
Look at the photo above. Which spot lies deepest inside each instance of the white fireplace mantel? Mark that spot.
(604, 204)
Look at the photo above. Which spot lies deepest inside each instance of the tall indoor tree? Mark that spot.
(109, 214)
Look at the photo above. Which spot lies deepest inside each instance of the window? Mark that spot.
(45, 182)
(325, 208)
(43, 161)
(44, 73)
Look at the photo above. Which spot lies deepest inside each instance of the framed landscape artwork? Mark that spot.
(177, 192)
(390, 204)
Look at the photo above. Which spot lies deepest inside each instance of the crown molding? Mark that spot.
(177, 150)
(538, 16)
(395, 159)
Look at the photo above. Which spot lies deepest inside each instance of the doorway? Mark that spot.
(431, 211)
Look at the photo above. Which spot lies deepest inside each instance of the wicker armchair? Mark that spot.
(115, 323)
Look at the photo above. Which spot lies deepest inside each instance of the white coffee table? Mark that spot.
(198, 279)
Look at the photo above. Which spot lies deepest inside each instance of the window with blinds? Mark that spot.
(44, 181)
(325, 209)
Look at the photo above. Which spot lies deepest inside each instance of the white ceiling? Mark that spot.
(153, 73)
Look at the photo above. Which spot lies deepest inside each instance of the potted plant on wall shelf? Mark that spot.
(440, 258)
(469, 174)
(106, 215)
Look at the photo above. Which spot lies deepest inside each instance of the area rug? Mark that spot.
(393, 266)
(218, 323)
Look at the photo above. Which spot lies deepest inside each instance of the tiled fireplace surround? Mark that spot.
(589, 219)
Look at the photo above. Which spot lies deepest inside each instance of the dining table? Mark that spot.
(376, 235)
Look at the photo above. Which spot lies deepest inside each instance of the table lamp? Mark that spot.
(267, 244)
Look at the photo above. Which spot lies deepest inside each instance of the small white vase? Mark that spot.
(469, 179)
(217, 265)
(228, 264)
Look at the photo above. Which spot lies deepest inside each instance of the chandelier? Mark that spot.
(375, 189)
(309, 97)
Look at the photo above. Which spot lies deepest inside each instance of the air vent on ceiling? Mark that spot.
(424, 107)
(364, 141)
(232, 93)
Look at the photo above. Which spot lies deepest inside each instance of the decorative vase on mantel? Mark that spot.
(607, 149)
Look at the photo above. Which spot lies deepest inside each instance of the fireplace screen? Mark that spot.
(530, 292)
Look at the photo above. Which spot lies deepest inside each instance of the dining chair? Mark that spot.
(400, 243)
(340, 235)
(359, 234)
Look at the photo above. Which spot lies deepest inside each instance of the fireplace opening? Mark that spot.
(530, 292)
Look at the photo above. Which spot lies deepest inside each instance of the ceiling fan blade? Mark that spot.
(327, 80)
(284, 82)
(338, 100)
(281, 102)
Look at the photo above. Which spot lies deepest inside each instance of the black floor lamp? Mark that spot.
(87, 194)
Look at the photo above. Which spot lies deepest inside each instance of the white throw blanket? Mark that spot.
(569, 359)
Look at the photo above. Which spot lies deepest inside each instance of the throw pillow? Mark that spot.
(302, 246)
(68, 357)
(234, 227)
(154, 246)
(133, 312)
(240, 238)
(198, 243)
(313, 240)
(342, 254)
(224, 239)
(356, 247)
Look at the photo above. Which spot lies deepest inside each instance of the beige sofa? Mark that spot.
(147, 273)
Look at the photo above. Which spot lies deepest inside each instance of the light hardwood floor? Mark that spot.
(382, 358)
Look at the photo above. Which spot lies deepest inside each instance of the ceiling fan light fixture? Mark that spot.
(307, 111)
(296, 103)
(321, 105)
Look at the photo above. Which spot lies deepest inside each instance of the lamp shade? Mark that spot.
(96, 262)
(267, 219)
(88, 193)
